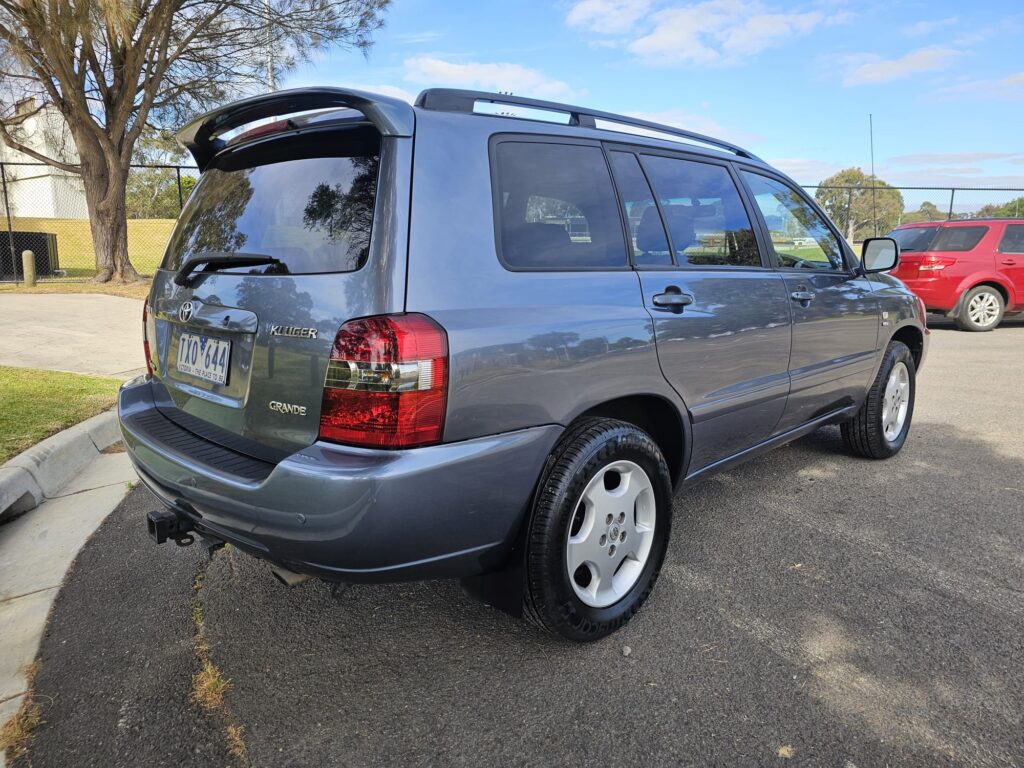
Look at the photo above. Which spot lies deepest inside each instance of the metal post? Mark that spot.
(181, 199)
(28, 268)
(850, 233)
(952, 194)
(7, 213)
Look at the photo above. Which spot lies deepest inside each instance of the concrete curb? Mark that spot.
(40, 472)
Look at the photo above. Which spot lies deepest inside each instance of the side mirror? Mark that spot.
(879, 254)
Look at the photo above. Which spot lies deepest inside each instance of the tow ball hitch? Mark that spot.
(163, 524)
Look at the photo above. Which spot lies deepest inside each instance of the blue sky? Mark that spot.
(793, 81)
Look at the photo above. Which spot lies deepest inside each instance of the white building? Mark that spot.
(37, 190)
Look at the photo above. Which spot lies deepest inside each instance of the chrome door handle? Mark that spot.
(672, 300)
(804, 297)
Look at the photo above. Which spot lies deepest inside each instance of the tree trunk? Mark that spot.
(108, 220)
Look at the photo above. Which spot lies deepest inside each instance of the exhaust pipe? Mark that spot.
(288, 578)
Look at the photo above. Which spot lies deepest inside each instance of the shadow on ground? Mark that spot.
(851, 610)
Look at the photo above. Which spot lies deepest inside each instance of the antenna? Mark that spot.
(874, 182)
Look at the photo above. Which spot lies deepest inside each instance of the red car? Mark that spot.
(971, 270)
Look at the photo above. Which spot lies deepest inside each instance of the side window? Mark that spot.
(706, 221)
(957, 238)
(800, 238)
(650, 246)
(1013, 239)
(557, 208)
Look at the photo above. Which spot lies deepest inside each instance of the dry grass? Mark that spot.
(236, 744)
(209, 687)
(17, 732)
(136, 290)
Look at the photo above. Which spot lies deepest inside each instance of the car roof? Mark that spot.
(960, 222)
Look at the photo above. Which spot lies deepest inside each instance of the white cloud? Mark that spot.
(921, 28)
(805, 170)
(520, 80)
(719, 31)
(388, 90)
(607, 16)
(1009, 87)
(951, 158)
(879, 70)
(416, 38)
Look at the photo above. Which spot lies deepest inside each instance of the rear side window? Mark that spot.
(650, 246)
(1013, 239)
(706, 221)
(556, 207)
(914, 238)
(957, 238)
(314, 214)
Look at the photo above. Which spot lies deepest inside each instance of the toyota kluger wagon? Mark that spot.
(488, 337)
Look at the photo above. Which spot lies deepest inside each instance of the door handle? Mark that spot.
(804, 297)
(1009, 262)
(672, 300)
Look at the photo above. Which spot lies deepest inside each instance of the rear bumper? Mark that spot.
(345, 513)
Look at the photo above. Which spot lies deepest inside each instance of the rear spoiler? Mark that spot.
(392, 117)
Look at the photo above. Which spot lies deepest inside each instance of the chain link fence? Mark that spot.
(862, 212)
(43, 210)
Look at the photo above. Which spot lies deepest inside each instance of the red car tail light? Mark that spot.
(387, 383)
(932, 262)
(145, 338)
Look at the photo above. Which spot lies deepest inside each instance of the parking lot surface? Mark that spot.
(814, 609)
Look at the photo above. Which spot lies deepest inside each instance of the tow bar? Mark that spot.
(164, 524)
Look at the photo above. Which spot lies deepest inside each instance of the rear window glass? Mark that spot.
(1013, 239)
(914, 239)
(957, 238)
(314, 214)
(557, 209)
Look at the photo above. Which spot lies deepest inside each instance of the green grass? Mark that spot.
(147, 239)
(35, 404)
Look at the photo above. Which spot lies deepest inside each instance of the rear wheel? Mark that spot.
(598, 531)
(880, 427)
(981, 309)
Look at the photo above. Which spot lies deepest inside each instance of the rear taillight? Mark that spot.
(932, 263)
(387, 381)
(145, 338)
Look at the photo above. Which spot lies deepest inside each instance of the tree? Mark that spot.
(153, 192)
(849, 200)
(113, 67)
(927, 212)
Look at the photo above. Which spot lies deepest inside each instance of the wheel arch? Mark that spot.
(913, 337)
(993, 281)
(657, 416)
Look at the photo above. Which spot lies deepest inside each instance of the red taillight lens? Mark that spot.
(386, 384)
(145, 338)
(932, 262)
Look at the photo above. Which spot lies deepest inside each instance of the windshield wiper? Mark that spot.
(218, 260)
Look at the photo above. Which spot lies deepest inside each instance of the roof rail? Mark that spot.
(456, 100)
(392, 117)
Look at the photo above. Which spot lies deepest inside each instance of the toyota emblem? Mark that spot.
(185, 311)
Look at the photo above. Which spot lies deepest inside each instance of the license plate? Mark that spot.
(204, 357)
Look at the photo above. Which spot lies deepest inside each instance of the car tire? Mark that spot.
(981, 309)
(880, 427)
(599, 469)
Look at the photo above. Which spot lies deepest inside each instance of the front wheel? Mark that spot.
(880, 427)
(598, 531)
(981, 310)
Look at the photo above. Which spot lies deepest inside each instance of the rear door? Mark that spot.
(721, 317)
(1010, 259)
(241, 352)
(835, 317)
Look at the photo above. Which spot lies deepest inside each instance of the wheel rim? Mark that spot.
(611, 533)
(983, 309)
(896, 402)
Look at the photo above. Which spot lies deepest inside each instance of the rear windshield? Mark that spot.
(957, 238)
(914, 239)
(313, 214)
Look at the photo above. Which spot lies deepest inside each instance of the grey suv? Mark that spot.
(489, 337)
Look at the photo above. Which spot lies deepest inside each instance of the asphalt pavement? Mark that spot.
(815, 609)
